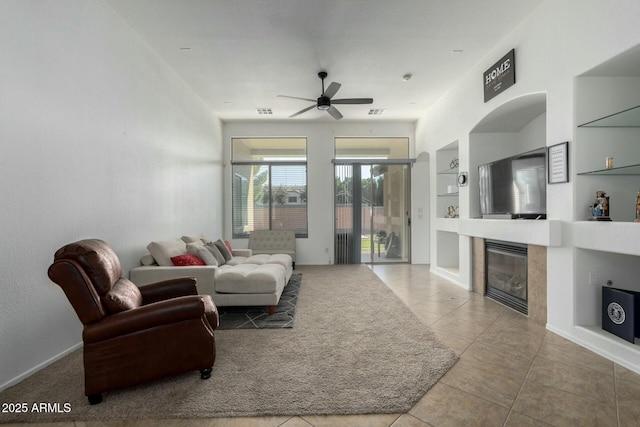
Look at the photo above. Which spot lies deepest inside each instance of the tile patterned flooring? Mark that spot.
(510, 372)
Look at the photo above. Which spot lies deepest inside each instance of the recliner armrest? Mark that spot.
(168, 289)
(145, 317)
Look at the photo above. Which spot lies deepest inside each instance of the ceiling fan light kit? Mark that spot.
(325, 100)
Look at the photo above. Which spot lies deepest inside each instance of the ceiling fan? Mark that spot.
(324, 102)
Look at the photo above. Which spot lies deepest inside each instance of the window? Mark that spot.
(269, 186)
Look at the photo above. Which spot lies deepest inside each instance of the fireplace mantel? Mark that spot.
(533, 232)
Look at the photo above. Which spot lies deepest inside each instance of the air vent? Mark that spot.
(376, 111)
(262, 111)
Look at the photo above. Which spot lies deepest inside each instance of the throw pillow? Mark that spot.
(124, 295)
(211, 247)
(196, 238)
(190, 239)
(162, 251)
(226, 253)
(147, 260)
(198, 249)
(186, 259)
(228, 245)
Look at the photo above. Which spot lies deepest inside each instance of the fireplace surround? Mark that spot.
(536, 277)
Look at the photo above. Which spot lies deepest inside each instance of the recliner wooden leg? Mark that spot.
(94, 399)
(272, 309)
(205, 374)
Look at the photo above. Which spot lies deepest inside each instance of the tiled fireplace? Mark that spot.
(509, 277)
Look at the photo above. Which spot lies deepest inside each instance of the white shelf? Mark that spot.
(447, 224)
(533, 232)
(607, 236)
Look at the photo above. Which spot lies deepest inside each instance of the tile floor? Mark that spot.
(510, 372)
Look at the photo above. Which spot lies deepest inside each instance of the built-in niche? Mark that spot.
(596, 97)
(515, 127)
(606, 251)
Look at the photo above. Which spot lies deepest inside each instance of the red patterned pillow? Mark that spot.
(187, 259)
(228, 245)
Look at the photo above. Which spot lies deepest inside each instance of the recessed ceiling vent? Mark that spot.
(376, 111)
(263, 111)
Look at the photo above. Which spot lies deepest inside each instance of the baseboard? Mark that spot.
(37, 368)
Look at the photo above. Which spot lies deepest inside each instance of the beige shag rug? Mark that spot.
(355, 349)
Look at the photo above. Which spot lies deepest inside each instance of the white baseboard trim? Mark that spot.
(37, 368)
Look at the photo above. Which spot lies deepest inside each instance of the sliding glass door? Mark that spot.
(372, 213)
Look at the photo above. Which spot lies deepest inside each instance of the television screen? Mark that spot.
(515, 187)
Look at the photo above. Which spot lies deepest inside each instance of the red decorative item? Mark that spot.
(228, 245)
(186, 259)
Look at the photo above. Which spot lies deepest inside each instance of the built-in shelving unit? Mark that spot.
(446, 177)
(606, 250)
(447, 260)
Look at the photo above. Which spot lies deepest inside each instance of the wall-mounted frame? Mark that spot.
(558, 163)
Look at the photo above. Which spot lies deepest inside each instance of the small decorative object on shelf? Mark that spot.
(600, 207)
(638, 207)
(451, 212)
(608, 162)
(454, 163)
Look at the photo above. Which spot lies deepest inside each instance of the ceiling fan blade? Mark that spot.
(352, 101)
(334, 113)
(297, 97)
(332, 89)
(304, 110)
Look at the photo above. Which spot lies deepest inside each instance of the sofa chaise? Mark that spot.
(233, 277)
(274, 242)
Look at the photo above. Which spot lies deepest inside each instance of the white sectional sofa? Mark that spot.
(239, 279)
(273, 242)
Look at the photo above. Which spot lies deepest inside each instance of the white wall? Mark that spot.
(318, 247)
(99, 139)
(560, 40)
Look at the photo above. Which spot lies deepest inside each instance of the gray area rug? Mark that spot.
(259, 317)
(355, 349)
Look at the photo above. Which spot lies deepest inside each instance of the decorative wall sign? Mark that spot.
(558, 163)
(501, 76)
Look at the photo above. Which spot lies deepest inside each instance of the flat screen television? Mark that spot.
(515, 187)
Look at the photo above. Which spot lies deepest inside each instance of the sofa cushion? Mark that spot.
(124, 295)
(280, 259)
(238, 260)
(186, 259)
(148, 259)
(162, 251)
(250, 279)
(199, 250)
(197, 238)
(216, 253)
(224, 250)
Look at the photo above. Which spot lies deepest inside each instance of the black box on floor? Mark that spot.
(621, 313)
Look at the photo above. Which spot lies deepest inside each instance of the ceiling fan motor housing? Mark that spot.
(324, 103)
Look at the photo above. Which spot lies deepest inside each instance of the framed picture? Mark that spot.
(558, 163)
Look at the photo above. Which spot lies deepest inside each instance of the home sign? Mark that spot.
(501, 76)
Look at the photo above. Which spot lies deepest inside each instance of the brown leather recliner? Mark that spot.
(133, 335)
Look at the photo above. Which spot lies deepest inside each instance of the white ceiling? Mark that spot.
(238, 55)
